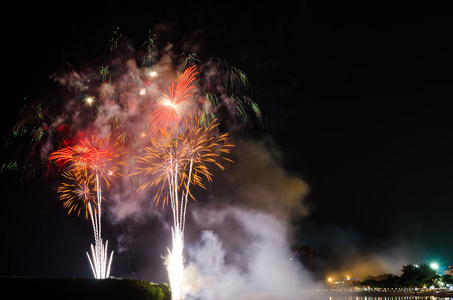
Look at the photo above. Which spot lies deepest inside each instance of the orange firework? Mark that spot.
(178, 160)
(77, 193)
(89, 161)
(173, 103)
(174, 162)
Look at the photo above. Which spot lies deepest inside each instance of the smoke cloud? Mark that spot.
(256, 265)
(243, 251)
(238, 232)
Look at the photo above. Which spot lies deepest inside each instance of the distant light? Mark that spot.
(434, 266)
(142, 92)
(329, 279)
(152, 74)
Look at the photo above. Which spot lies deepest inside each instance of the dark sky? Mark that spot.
(356, 95)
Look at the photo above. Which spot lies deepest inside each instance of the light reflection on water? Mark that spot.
(338, 297)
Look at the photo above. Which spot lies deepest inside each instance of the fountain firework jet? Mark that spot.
(98, 261)
(175, 264)
(175, 162)
(89, 160)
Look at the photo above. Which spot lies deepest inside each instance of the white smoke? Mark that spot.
(257, 267)
(243, 251)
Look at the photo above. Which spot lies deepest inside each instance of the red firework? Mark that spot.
(89, 157)
(173, 103)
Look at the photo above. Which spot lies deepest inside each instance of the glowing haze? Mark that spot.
(243, 250)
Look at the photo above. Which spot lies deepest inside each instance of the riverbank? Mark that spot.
(81, 288)
(443, 294)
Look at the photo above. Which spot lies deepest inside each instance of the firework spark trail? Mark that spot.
(77, 193)
(175, 260)
(175, 162)
(171, 107)
(98, 262)
(89, 160)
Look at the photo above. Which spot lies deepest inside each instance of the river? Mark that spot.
(376, 296)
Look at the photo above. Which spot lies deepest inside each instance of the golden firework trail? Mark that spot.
(89, 161)
(77, 193)
(174, 162)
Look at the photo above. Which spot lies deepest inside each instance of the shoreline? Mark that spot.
(446, 294)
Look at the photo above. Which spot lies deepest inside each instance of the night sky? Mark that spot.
(356, 97)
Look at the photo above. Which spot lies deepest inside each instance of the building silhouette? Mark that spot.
(306, 255)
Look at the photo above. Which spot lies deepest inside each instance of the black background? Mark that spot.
(357, 95)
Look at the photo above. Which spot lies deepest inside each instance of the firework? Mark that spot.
(90, 157)
(90, 161)
(79, 155)
(179, 154)
(98, 262)
(175, 162)
(77, 193)
(172, 105)
(233, 87)
(150, 51)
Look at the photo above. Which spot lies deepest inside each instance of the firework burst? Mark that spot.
(91, 161)
(184, 154)
(77, 193)
(170, 109)
(175, 162)
(225, 88)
